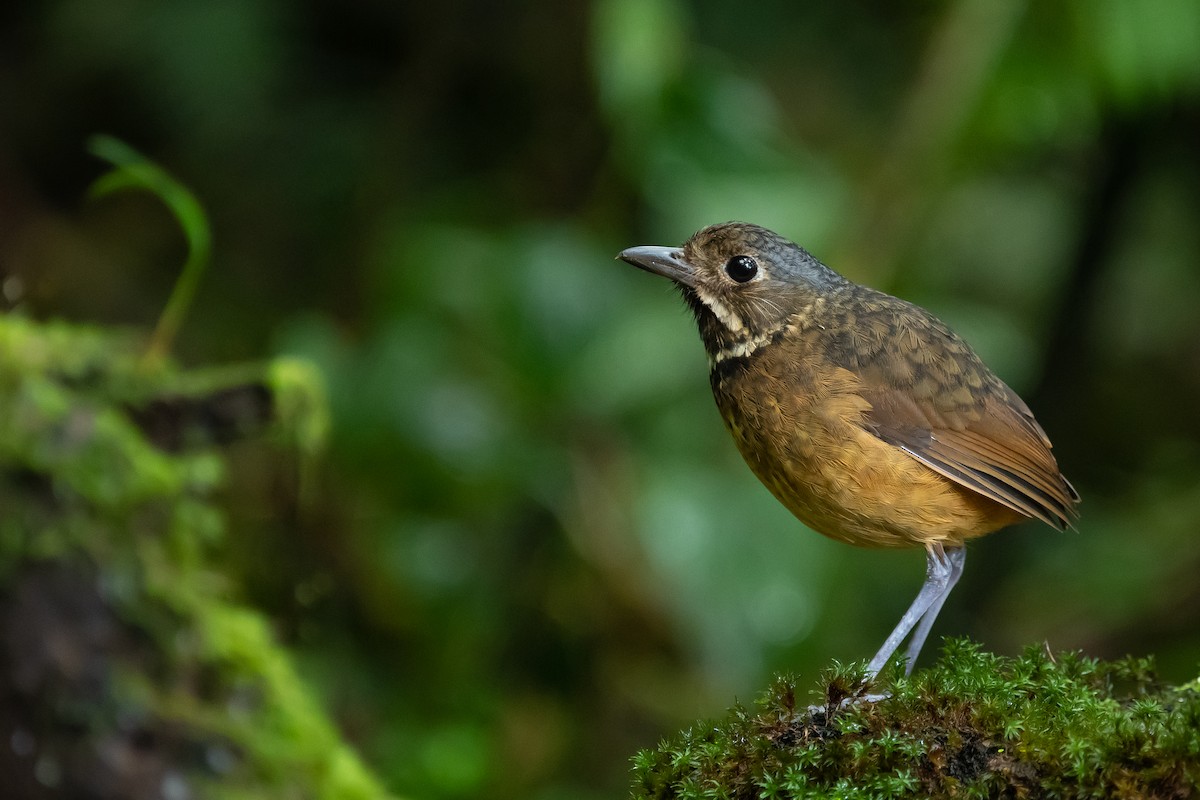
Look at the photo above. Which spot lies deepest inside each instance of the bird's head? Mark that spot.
(743, 282)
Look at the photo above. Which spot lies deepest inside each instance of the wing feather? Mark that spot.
(936, 400)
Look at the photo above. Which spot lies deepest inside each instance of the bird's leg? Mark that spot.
(941, 571)
(957, 559)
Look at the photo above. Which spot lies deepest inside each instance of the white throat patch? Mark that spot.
(721, 311)
(746, 347)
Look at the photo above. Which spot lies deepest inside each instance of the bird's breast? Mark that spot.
(798, 421)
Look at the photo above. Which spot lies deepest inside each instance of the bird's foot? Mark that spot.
(829, 709)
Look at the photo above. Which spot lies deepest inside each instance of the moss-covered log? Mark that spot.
(125, 669)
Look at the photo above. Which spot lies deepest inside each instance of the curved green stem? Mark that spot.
(132, 170)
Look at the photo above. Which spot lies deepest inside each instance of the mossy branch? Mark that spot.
(976, 725)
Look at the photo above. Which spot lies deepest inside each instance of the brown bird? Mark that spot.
(872, 421)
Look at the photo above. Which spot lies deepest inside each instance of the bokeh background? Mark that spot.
(533, 548)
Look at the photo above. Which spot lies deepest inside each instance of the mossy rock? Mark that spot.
(976, 725)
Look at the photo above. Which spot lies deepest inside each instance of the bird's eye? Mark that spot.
(741, 268)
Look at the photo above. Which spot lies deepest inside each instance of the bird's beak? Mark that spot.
(665, 261)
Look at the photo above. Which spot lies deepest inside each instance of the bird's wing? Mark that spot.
(934, 399)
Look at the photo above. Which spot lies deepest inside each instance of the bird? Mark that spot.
(865, 415)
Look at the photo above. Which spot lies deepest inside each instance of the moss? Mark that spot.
(127, 665)
(974, 725)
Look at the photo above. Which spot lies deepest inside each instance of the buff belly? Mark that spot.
(811, 450)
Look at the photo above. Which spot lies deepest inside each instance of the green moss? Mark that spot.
(974, 725)
(107, 480)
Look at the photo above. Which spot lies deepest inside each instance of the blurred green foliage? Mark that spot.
(129, 671)
(531, 549)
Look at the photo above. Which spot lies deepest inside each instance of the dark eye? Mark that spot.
(741, 268)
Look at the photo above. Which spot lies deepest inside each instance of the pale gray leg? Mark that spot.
(942, 570)
(957, 556)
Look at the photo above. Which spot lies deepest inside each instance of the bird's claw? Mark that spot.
(847, 702)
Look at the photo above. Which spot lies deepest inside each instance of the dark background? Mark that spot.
(534, 549)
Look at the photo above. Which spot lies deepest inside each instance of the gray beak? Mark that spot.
(665, 261)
